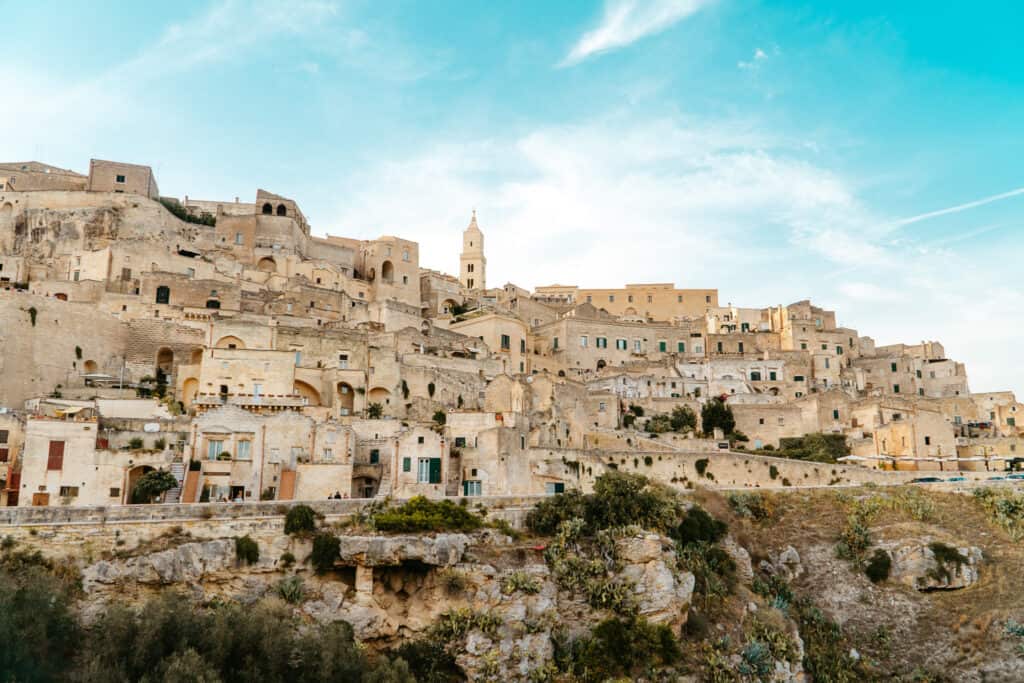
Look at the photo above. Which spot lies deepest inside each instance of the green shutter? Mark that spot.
(435, 470)
(407, 464)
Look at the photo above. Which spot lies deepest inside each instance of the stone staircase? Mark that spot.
(384, 488)
(177, 468)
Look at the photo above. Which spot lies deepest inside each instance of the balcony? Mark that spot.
(252, 401)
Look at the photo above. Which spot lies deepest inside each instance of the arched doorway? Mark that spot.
(387, 272)
(165, 360)
(267, 265)
(134, 474)
(380, 395)
(448, 307)
(189, 390)
(306, 390)
(281, 210)
(268, 210)
(90, 367)
(6, 214)
(601, 364)
(346, 398)
(230, 342)
(196, 357)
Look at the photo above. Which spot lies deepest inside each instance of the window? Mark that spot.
(839, 350)
(739, 347)
(826, 364)
(663, 346)
(553, 487)
(760, 420)
(115, 492)
(895, 388)
(602, 407)
(824, 347)
(298, 357)
(506, 342)
(782, 420)
(77, 275)
(428, 470)
(707, 299)
(245, 451)
(637, 346)
(460, 442)
(772, 375)
(469, 268)
(68, 491)
(472, 488)
(522, 441)
(589, 298)
(892, 366)
(405, 254)
(755, 376)
(611, 298)
(163, 294)
(469, 283)
(798, 378)
(119, 179)
(620, 344)
(126, 274)
(681, 347)
(835, 414)
(374, 456)
(4, 435)
(601, 342)
(583, 342)
(407, 464)
(649, 298)
(238, 238)
(214, 447)
(679, 298)
(343, 361)
(698, 348)
(1011, 422)
(927, 441)
(55, 457)
(628, 298)
(4, 454)
(803, 346)
(719, 347)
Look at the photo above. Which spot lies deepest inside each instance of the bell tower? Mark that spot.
(472, 262)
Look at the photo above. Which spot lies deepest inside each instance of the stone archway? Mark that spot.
(189, 390)
(387, 272)
(230, 342)
(267, 265)
(268, 209)
(282, 210)
(134, 474)
(346, 398)
(380, 395)
(306, 390)
(89, 367)
(165, 360)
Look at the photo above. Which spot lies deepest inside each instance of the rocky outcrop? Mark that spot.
(785, 564)
(649, 563)
(741, 558)
(442, 550)
(935, 566)
(186, 563)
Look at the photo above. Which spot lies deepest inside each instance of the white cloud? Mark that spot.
(755, 61)
(626, 21)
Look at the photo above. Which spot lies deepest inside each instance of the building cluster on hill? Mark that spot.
(223, 343)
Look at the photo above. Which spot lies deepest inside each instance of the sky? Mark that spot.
(865, 155)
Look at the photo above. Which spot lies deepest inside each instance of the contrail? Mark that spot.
(960, 207)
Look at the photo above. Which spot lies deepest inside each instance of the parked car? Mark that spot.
(926, 480)
(997, 478)
(957, 479)
(1015, 476)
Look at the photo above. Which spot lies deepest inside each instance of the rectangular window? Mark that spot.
(839, 350)
(798, 378)
(522, 346)
(472, 488)
(68, 491)
(407, 464)
(423, 470)
(611, 298)
(583, 342)
(342, 361)
(374, 456)
(55, 459)
(919, 374)
(663, 346)
(4, 435)
(115, 492)
(298, 357)
(213, 449)
(620, 344)
(637, 346)
(835, 414)
(506, 342)
(419, 440)
(327, 455)
(4, 454)
(77, 275)
(553, 487)
(238, 238)
(927, 441)
(245, 450)
(892, 366)
(826, 364)
(649, 299)
(126, 274)
(460, 442)
(554, 343)
(1011, 422)
(681, 347)
(719, 347)
(895, 388)
(772, 375)
(602, 342)
(119, 179)
(739, 347)
(629, 298)
(755, 376)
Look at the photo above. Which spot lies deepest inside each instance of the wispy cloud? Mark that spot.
(626, 21)
(959, 207)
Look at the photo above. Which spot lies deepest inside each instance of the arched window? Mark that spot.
(387, 271)
(281, 210)
(268, 210)
(163, 294)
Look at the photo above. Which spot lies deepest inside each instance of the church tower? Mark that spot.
(472, 263)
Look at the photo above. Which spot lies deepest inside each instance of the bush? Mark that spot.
(658, 424)
(37, 625)
(636, 410)
(548, 515)
(878, 566)
(700, 527)
(823, 448)
(683, 419)
(135, 443)
(946, 556)
(429, 661)
(152, 485)
(160, 444)
(773, 472)
(300, 520)
(701, 466)
(519, 581)
(291, 589)
(421, 514)
(326, 549)
(440, 417)
(180, 212)
(287, 559)
(628, 420)
(247, 551)
(619, 648)
(757, 506)
(374, 411)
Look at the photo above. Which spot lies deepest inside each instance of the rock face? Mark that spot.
(442, 550)
(186, 563)
(935, 566)
(663, 594)
(785, 564)
(739, 555)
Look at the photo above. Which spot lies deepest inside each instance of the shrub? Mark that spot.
(773, 472)
(38, 625)
(683, 419)
(786, 482)
(638, 411)
(854, 539)
(135, 443)
(287, 559)
(326, 549)
(153, 484)
(300, 520)
(291, 589)
(702, 466)
(519, 581)
(374, 411)
(699, 527)
(453, 580)
(180, 212)
(160, 444)
(440, 417)
(622, 499)
(421, 514)
(826, 651)
(194, 466)
(946, 556)
(247, 551)
(548, 515)
(878, 566)
(429, 661)
(619, 648)
(757, 506)
(455, 623)
(658, 424)
(628, 420)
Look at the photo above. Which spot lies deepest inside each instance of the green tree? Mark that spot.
(374, 411)
(300, 520)
(37, 627)
(152, 485)
(717, 414)
(683, 419)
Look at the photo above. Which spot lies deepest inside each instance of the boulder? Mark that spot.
(442, 550)
(934, 566)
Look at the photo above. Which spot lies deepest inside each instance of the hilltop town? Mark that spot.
(222, 342)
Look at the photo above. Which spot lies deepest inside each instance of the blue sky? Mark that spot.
(778, 151)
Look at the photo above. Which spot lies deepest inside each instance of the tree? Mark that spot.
(152, 485)
(374, 411)
(300, 519)
(717, 414)
(440, 417)
(683, 418)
